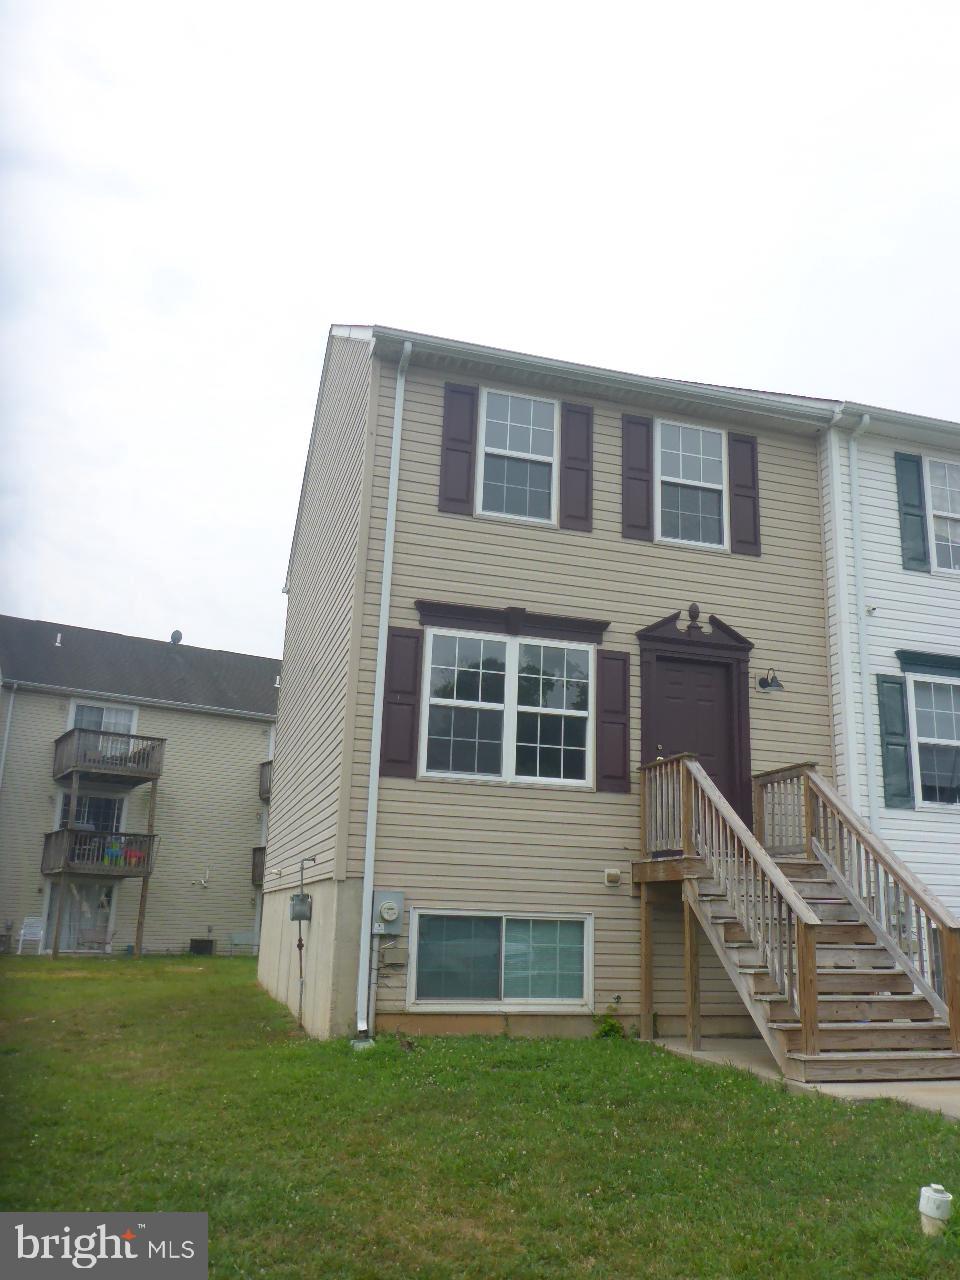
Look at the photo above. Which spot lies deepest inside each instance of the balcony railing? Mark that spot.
(118, 755)
(102, 853)
(256, 871)
(266, 779)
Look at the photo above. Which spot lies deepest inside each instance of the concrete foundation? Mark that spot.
(331, 944)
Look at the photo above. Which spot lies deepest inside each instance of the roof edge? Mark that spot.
(11, 682)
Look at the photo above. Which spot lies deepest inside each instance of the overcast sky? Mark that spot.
(755, 194)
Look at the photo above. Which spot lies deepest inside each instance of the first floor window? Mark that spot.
(500, 707)
(937, 709)
(501, 958)
(518, 456)
(691, 484)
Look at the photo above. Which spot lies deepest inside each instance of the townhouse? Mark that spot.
(556, 733)
(134, 791)
(892, 513)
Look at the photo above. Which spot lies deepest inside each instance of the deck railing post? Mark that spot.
(809, 816)
(687, 842)
(691, 967)
(145, 883)
(807, 986)
(644, 842)
(950, 953)
(646, 963)
(759, 817)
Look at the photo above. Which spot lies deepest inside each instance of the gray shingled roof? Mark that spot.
(135, 668)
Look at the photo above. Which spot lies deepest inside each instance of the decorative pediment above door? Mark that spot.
(717, 637)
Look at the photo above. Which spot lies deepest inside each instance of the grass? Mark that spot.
(176, 1084)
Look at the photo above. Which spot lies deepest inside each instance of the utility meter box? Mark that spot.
(387, 912)
(301, 906)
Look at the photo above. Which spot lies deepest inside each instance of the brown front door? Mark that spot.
(693, 711)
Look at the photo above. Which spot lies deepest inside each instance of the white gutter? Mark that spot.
(6, 731)
(846, 690)
(865, 691)
(373, 782)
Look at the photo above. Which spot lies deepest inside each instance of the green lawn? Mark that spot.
(177, 1084)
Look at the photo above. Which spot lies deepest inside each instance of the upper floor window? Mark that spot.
(105, 719)
(945, 512)
(690, 490)
(937, 763)
(502, 707)
(518, 457)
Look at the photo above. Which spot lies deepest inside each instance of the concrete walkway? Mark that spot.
(753, 1055)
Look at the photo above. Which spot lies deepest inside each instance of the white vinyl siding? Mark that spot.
(904, 610)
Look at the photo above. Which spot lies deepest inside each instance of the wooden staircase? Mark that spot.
(847, 964)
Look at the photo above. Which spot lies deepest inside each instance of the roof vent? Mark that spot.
(176, 637)
(56, 643)
(276, 683)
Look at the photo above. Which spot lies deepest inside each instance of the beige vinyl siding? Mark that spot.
(26, 801)
(316, 703)
(208, 820)
(497, 847)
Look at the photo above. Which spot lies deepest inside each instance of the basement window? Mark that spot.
(499, 960)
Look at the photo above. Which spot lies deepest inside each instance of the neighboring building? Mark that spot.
(894, 607)
(524, 589)
(92, 725)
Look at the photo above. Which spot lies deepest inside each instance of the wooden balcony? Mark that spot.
(125, 759)
(266, 779)
(98, 853)
(256, 871)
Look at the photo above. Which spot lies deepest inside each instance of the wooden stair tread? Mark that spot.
(873, 1055)
(924, 1024)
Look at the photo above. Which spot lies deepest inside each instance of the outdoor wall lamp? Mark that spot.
(770, 681)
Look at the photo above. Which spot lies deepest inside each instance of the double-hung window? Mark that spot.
(507, 708)
(518, 469)
(691, 504)
(499, 959)
(936, 707)
(945, 511)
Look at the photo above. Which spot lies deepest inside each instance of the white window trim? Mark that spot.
(724, 489)
(586, 1005)
(106, 704)
(482, 459)
(508, 777)
(918, 801)
(936, 568)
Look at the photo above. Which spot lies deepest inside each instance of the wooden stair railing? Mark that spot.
(683, 812)
(796, 807)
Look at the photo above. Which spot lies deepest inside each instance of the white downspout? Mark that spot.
(847, 693)
(373, 782)
(865, 699)
(6, 731)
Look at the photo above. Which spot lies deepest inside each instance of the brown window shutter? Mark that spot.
(613, 721)
(576, 467)
(401, 703)
(458, 449)
(744, 495)
(637, 478)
